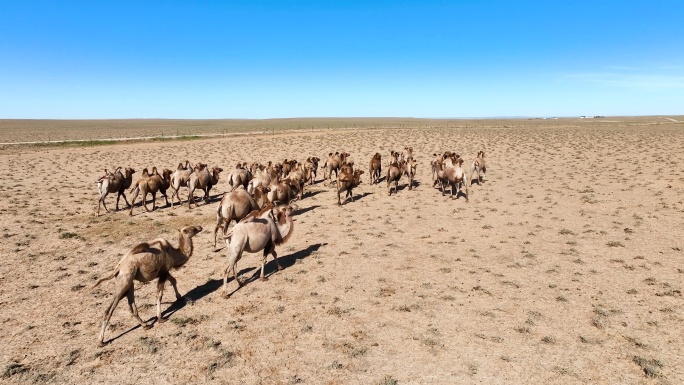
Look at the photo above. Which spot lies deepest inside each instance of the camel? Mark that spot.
(286, 167)
(333, 164)
(151, 183)
(346, 181)
(453, 176)
(393, 175)
(260, 230)
(115, 182)
(240, 176)
(409, 169)
(235, 205)
(478, 167)
(297, 175)
(145, 262)
(204, 180)
(311, 169)
(262, 177)
(283, 191)
(375, 168)
(179, 179)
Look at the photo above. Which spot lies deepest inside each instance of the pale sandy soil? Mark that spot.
(566, 266)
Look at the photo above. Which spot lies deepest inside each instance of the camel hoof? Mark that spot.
(224, 295)
(147, 327)
(161, 320)
(280, 267)
(101, 344)
(263, 279)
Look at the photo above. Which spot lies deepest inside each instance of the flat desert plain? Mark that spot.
(566, 266)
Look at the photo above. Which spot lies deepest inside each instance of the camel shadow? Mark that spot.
(285, 261)
(361, 196)
(305, 210)
(479, 182)
(193, 295)
(310, 193)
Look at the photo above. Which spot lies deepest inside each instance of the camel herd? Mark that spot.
(259, 201)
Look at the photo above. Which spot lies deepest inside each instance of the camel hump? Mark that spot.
(140, 248)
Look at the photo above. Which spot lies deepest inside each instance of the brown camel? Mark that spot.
(115, 182)
(151, 183)
(145, 263)
(260, 230)
(235, 205)
(375, 168)
(204, 180)
(346, 181)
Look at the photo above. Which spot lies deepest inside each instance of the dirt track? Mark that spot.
(565, 267)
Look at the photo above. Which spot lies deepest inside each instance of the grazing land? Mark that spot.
(566, 266)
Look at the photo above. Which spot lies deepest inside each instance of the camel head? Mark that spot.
(190, 231)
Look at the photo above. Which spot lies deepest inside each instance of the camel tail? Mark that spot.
(107, 278)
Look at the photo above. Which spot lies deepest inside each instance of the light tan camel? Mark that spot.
(114, 182)
(478, 167)
(452, 175)
(239, 176)
(235, 205)
(409, 169)
(179, 179)
(333, 164)
(260, 230)
(145, 263)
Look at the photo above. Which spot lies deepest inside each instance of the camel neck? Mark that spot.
(185, 246)
(285, 229)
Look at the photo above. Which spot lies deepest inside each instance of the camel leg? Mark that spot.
(275, 257)
(130, 294)
(154, 201)
(135, 196)
(191, 197)
(235, 255)
(123, 194)
(179, 297)
(104, 204)
(218, 226)
(263, 265)
(160, 294)
(99, 203)
(144, 201)
(118, 295)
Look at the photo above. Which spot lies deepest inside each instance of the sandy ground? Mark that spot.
(565, 267)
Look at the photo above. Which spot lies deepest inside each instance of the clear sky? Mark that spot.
(269, 59)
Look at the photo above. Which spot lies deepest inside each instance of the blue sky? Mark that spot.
(270, 59)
